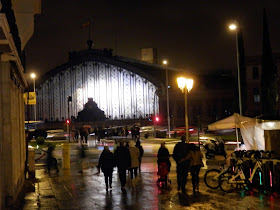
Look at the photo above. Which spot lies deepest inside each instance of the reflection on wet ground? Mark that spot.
(71, 190)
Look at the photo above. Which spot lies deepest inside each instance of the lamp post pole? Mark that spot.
(235, 27)
(33, 76)
(35, 96)
(167, 98)
(186, 115)
(238, 73)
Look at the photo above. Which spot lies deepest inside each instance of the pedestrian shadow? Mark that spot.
(189, 199)
(109, 200)
(126, 202)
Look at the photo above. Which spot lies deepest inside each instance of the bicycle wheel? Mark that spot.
(211, 178)
(224, 182)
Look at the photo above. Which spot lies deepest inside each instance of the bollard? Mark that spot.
(65, 156)
(31, 162)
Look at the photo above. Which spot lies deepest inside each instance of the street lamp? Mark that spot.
(185, 85)
(235, 27)
(33, 76)
(167, 97)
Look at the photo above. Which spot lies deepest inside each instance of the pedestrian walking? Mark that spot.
(106, 163)
(76, 135)
(82, 158)
(82, 135)
(51, 161)
(73, 133)
(126, 131)
(134, 155)
(132, 132)
(195, 157)
(141, 151)
(163, 156)
(180, 152)
(86, 132)
(123, 162)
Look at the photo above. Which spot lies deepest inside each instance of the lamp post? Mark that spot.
(234, 27)
(33, 76)
(167, 97)
(185, 85)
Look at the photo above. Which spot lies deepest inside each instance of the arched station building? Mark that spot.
(129, 89)
(123, 88)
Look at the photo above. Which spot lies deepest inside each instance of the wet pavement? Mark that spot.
(71, 190)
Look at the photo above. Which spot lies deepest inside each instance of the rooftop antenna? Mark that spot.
(88, 26)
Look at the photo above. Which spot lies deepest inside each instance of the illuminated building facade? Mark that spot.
(120, 89)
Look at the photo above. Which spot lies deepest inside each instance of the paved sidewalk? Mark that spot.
(71, 190)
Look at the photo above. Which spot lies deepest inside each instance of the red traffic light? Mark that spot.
(68, 121)
(157, 119)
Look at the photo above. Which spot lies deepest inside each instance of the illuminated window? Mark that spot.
(256, 93)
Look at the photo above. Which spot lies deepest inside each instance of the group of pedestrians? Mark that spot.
(187, 156)
(128, 158)
(125, 159)
(83, 132)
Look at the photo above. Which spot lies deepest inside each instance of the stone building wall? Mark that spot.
(16, 18)
(12, 155)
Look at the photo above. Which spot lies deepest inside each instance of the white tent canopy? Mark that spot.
(252, 129)
(233, 121)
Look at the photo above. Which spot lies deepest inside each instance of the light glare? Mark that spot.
(33, 75)
(232, 27)
(185, 83)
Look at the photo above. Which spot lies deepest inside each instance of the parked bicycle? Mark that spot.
(229, 181)
(212, 177)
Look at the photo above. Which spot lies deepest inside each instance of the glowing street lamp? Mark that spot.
(185, 85)
(235, 27)
(232, 26)
(33, 76)
(167, 97)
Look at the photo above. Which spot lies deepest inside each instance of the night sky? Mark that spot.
(192, 35)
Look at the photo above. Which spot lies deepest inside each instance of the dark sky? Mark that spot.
(192, 35)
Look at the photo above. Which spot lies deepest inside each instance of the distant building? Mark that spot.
(129, 90)
(16, 28)
(253, 78)
(211, 99)
(149, 55)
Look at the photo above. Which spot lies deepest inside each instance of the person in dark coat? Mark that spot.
(181, 150)
(123, 162)
(106, 163)
(51, 160)
(126, 131)
(141, 150)
(163, 155)
(86, 133)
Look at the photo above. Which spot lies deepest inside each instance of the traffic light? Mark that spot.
(157, 119)
(67, 121)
